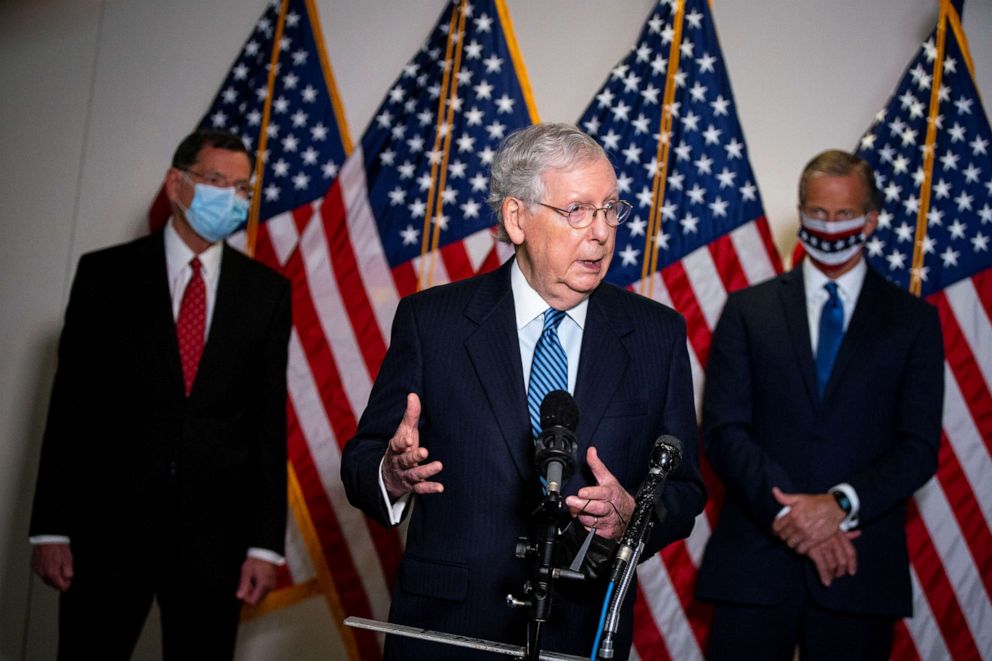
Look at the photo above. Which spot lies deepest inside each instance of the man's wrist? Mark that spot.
(847, 500)
(843, 502)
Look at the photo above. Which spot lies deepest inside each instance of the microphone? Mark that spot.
(555, 446)
(666, 455)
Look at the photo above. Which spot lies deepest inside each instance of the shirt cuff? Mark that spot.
(267, 556)
(48, 539)
(397, 509)
(851, 520)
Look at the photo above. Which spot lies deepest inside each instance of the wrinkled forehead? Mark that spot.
(581, 172)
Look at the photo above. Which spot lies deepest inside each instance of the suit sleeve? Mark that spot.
(63, 444)
(741, 463)
(912, 458)
(270, 468)
(398, 376)
(684, 494)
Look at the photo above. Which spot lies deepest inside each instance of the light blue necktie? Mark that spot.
(549, 369)
(831, 333)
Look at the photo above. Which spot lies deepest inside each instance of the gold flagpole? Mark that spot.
(651, 246)
(447, 131)
(919, 241)
(433, 192)
(263, 137)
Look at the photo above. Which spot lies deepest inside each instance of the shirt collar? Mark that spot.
(849, 284)
(178, 254)
(528, 304)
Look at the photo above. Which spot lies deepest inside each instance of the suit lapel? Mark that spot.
(793, 298)
(866, 310)
(155, 291)
(495, 353)
(224, 319)
(602, 362)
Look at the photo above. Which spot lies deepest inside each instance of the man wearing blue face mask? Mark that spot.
(163, 467)
(821, 415)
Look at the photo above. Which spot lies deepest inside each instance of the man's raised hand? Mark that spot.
(402, 470)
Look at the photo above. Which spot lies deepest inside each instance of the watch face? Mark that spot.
(842, 501)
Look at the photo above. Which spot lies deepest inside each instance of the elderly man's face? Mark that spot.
(564, 265)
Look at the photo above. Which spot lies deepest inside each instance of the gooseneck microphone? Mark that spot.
(666, 455)
(555, 447)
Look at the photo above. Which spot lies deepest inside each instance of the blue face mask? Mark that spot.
(215, 212)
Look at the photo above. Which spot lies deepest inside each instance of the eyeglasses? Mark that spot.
(241, 187)
(580, 215)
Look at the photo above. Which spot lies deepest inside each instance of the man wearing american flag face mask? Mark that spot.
(821, 415)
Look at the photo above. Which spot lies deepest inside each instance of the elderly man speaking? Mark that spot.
(448, 431)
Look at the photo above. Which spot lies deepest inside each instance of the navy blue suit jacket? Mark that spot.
(877, 428)
(456, 346)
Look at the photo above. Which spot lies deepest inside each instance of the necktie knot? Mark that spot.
(552, 319)
(196, 265)
(831, 288)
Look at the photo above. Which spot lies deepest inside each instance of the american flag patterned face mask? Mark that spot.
(831, 242)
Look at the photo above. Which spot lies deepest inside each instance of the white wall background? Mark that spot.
(95, 95)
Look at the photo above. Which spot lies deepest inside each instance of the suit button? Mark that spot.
(172, 468)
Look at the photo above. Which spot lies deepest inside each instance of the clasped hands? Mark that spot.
(811, 527)
(606, 507)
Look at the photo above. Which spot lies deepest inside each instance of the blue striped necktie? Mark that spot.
(549, 369)
(831, 333)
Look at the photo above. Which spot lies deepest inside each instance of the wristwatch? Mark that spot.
(842, 501)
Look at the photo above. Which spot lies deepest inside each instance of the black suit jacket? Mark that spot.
(877, 428)
(127, 458)
(457, 347)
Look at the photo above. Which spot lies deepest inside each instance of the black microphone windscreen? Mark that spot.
(668, 450)
(559, 409)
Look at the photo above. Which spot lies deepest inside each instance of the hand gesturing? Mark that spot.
(402, 471)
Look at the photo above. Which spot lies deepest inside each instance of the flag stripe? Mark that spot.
(684, 300)
(937, 587)
(982, 284)
(959, 566)
(706, 283)
(344, 283)
(682, 573)
(966, 371)
(756, 252)
(963, 506)
(350, 591)
(315, 456)
(315, 358)
(728, 265)
(648, 642)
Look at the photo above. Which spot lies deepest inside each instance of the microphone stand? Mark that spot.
(556, 453)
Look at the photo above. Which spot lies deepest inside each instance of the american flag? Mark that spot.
(403, 211)
(667, 118)
(930, 147)
(296, 114)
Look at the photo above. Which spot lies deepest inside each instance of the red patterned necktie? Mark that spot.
(191, 323)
